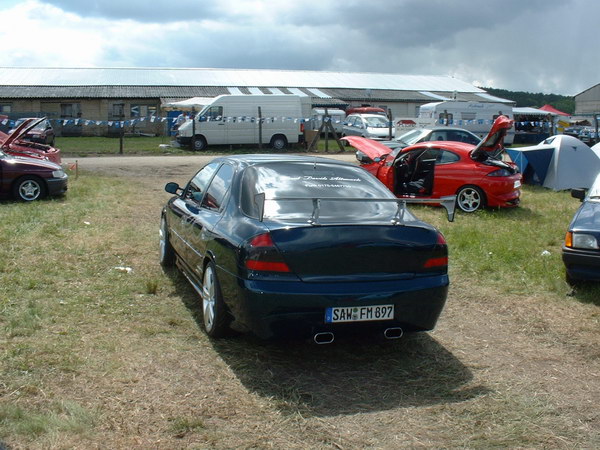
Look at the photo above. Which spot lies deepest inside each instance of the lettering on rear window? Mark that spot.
(325, 182)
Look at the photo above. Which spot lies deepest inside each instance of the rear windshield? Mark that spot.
(305, 181)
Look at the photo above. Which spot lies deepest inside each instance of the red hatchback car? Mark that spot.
(476, 174)
(16, 145)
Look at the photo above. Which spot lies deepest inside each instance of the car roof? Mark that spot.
(255, 158)
(367, 115)
(459, 147)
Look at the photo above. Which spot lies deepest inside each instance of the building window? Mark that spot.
(142, 111)
(5, 108)
(118, 110)
(70, 110)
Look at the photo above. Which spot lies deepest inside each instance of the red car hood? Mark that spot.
(373, 149)
(21, 131)
(494, 140)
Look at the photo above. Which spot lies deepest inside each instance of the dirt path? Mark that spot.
(159, 166)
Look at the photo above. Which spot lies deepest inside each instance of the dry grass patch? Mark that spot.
(94, 355)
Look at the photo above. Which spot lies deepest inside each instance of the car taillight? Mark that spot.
(262, 255)
(500, 173)
(441, 240)
(436, 262)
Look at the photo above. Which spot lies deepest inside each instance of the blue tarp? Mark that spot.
(533, 164)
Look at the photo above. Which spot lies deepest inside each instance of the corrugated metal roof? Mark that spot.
(364, 95)
(110, 91)
(72, 77)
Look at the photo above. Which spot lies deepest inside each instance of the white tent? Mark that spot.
(559, 162)
(528, 111)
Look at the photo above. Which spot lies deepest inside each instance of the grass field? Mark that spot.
(100, 348)
(143, 145)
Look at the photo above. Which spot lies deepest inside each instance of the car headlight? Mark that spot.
(59, 173)
(581, 240)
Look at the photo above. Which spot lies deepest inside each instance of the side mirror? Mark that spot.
(578, 193)
(172, 188)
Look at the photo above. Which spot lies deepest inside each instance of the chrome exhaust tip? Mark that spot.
(393, 333)
(324, 338)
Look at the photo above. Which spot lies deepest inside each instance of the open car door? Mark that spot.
(412, 173)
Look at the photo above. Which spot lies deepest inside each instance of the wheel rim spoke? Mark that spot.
(208, 299)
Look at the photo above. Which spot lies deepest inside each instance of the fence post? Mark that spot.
(259, 128)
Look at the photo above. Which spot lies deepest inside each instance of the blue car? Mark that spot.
(581, 251)
(293, 246)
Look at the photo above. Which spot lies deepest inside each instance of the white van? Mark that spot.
(234, 119)
(476, 117)
(337, 117)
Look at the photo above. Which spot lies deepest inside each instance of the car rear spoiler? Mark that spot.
(449, 203)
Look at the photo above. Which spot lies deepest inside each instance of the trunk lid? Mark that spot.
(369, 252)
(494, 141)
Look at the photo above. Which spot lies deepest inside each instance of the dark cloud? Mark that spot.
(533, 45)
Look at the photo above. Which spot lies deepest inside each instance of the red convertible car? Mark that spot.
(15, 145)
(476, 174)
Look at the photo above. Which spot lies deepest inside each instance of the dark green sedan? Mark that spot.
(303, 247)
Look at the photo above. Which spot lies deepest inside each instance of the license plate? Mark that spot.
(359, 313)
(517, 184)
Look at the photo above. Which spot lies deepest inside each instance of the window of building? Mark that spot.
(5, 108)
(70, 110)
(142, 111)
(118, 110)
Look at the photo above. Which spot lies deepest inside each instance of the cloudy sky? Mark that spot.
(545, 46)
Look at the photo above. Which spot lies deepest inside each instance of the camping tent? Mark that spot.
(551, 109)
(559, 162)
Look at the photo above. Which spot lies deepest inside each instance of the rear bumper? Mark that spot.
(297, 309)
(501, 191)
(581, 264)
(506, 200)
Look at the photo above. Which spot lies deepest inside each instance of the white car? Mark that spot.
(371, 126)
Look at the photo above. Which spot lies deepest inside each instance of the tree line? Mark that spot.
(523, 99)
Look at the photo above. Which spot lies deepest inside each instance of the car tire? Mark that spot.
(199, 144)
(278, 142)
(214, 313)
(470, 199)
(166, 250)
(29, 188)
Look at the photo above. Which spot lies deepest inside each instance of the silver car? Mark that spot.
(371, 126)
(438, 134)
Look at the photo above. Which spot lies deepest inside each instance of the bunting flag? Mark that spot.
(243, 119)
